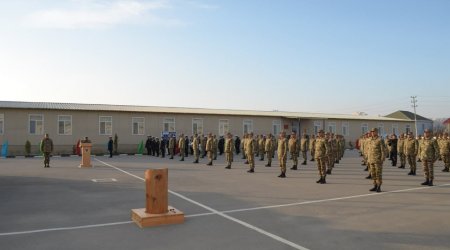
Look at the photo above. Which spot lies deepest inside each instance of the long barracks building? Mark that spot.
(66, 123)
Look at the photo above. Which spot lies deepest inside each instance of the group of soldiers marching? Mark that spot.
(426, 148)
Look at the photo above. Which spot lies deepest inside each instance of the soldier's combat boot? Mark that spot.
(323, 180)
(304, 162)
(282, 175)
(369, 177)
(246, 162)
(445, 170)
(251, 171)
(426, 182)
(268, 165)
(366, 169)
(312, 159)
(414, 172)
(430, 183)
(375, 187)
(320, 180)
(410, 172)
(209, 163)
(294, 167)
(228, 167)
(378, 188)
(329, 171)
(196, 161)
(401, 166)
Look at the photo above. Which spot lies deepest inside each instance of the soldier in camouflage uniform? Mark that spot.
(312, 145)
(47, 149)
(429, 153)
(204, 139)
(172, 146)
(250, 153)
(331, 152)
(181, 146)
(293, 150)
(411, 148)
(215, 146)
(304, 143)
(244, 138)
(268, 147)
(401, 150)
(320, 154)
(282, 153)
(376, 156)
(195, 148)
(261, 147)
(210, 149)
(445, 152)
(229, 148)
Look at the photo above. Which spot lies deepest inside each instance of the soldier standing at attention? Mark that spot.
(293, 149)
(244, 138)
(268, 147)
(411, 149)
(203, 143)
(215, 146)
(375, 156)
(181, 146)
(401, 150)
(282, 153)
(445, 152)
(261, 147)
(304, 147)
(330, 152)
(320, 154)
(429, 153)
(110, 147)
(172, 146)
(229, 148)
(209, 149)
(249, 152)
(47, 149)
(312, 145)
(195, 148)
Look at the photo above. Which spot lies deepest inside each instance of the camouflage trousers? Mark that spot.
(196, 154)
(411, 162)
(182, 154)
(251, 160)
(46, 158)
(215, 154)
(210, 156)
(261, 155)
(446, 159)
(376, 171)
(294, 157)
(282, 160)
(269, 157)
(229, 156)
(402, 157)
(428, 169)
(330, 161)
(305, 156)
(171, 152)
(322, 165)
(312, 153)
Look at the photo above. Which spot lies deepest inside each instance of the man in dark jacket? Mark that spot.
(110, 146)
(221, 145)
(162, 147)
(393, 152)
(148, 145)
(237, 145)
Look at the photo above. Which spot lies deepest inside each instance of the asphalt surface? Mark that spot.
(62, 208)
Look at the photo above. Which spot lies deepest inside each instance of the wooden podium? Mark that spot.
(85, 154)
(157, 211)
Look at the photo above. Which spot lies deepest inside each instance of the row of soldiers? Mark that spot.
(429, 149)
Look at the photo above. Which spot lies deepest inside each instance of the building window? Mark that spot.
(276, 127)
(408, 128)
(169, 125)
(36, 124)
(345, 129)
(317, 127)
(332, 127)
(364, 128)
(105, 123)
(64, 124)
(197, 126)
(224, 127)
(395, 129)
(2, 123)
(138, 125)
(248, 126)
(381, 129)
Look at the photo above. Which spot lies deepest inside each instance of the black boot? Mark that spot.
(268, 165)
(251, 171)
(196, 161)
(323, 180)
(414, 172)
(401, 166)
(369, 177)
(410, 172)
(294, 167)
(228, 167)
(375, 187)
(430, 183)
(329, 171)
(282, 175)
(209, 163)
(366, 169)
(319, 180)
(378, 188)
(304, 162)
(426, 182)
(445, 170)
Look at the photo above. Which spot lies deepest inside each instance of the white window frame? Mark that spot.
(364, 128)
(331, 125)
(42, 125)
(64, 126)
(2, 124)
(140, 121)
(317, 127)
(395, 129)
(169, 121)
(249, 124)
(224, 127)
(276, 127)
(407, 128)
(345, 125)
(381, 128)
(100, 125)
(199, 130)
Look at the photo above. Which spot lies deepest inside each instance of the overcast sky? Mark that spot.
(329, 56)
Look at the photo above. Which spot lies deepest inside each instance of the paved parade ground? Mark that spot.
(66, 207)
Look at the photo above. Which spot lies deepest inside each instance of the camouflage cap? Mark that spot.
(374, 130)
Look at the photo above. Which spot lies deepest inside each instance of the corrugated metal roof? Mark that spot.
(406, 115)
(178, 110)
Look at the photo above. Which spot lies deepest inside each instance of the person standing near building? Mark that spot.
(110, 147)
(411, 149)
(237, 145)
(293, 149)
(268, 148)
(47, 149)
(312, 144)
(244, 139)
(203, 143)
(181, 146)
(221, 145)
(429, 153)
(261, 147)
(229, 148)
(172, 146)
(375, 156)
(195, 148)
(215, 146)
(249, 152)
(282, 153)
(148, 145)
(210, 149)
(393, 144)
(320, 154)
(304, 143)
(401, 150)
(162, 147)
(444, 149)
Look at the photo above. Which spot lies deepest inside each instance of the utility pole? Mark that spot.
(414, 105)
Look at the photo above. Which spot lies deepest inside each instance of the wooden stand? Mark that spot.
(85, 155)
(156, 211)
